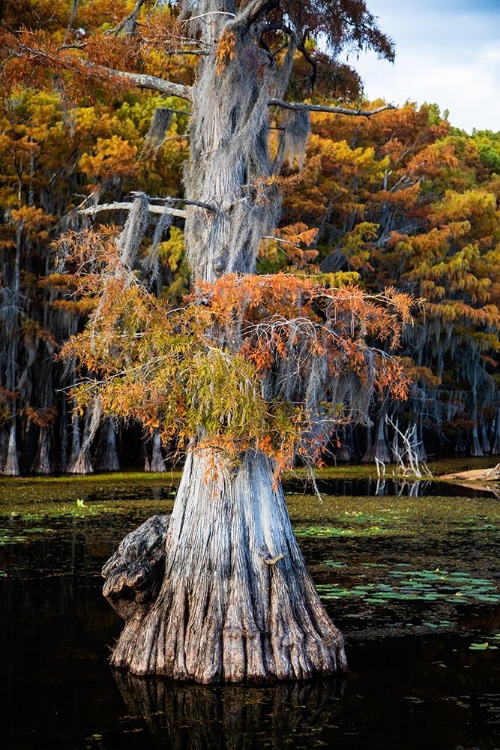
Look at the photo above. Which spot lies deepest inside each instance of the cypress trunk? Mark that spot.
(476, 449)
(42, 463)
(108, 454)
(377, 449)
(222, 593)
(157, 463)
(11, 468)
(495, 450)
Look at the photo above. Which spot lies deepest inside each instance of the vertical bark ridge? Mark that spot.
(237, 602)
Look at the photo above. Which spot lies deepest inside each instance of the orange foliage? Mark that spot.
(203, 367)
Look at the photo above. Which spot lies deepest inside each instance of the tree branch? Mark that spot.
(330, 110)
(141, 80)
(121, 206)
(307, 57)
(127, 207)
(130, 22)
(254, 11)
(144, 81)
(186, 201)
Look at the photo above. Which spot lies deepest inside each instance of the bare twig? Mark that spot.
(407, 456)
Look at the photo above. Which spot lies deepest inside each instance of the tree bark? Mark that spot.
(11, 468)
(82, 464)
(378, 450)
(236, 602)
(108, 454)
(495, 449)
(157, 463)
(42, 463)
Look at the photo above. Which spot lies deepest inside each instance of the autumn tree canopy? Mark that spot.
(364, 208)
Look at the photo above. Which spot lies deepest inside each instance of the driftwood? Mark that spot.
(477, 479)
(134, 573)
(474, 475)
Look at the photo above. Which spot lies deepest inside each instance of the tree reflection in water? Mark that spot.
(190, 717)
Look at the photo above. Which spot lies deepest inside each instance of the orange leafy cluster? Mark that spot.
(211, 369)
(225, 50)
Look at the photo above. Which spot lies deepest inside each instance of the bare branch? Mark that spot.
(153, 83)
(330, 110)
(210, 13)
(128, 206)
(186, 201)
(130, 22)
(166, 209)
(280, 239)
(141, 80)
(314, 67)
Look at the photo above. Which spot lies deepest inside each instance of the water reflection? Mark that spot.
(185, 717)
(384, 486)
(404, 487)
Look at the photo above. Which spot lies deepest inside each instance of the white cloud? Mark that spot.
(449, 55)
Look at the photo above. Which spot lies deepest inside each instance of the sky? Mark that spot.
(447, 53)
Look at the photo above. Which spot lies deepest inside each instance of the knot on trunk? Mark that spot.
(134, 573)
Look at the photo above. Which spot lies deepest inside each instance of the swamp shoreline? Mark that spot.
(411, 577)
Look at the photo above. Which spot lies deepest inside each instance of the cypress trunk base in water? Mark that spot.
(220, 592)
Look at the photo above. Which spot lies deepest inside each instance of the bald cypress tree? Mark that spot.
(234, 601)
(220, 591)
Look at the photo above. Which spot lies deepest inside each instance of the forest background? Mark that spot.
(402, 199)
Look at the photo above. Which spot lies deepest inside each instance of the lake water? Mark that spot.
(413, 581)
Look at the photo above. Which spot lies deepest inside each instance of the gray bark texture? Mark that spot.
(221, 593)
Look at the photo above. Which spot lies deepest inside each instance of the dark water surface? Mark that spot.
(413, 581)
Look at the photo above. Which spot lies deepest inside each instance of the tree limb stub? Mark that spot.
(134, 573)
(274, 560)
(330, 110)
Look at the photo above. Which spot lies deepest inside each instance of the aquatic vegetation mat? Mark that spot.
(419, 586)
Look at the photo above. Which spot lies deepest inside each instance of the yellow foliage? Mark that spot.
(113, 157)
